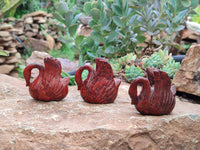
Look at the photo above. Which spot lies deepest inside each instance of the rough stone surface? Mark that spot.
(85, 19)
(40, 19)
(37, 57)
(193, 26)
(32, 41)
(35, 44)
(191, 35)
(12, 60)
(84, 30)
(6, 39)
(37, 13)
(5, 26)
(8, 44)
(51, 41)
(2, 60)
(4, 34)
(28, 20)
(6, 69)
(187, 78)
(17, 31)
(34, 27)
(76, 125)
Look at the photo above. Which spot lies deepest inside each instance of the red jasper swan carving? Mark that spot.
(99, 86)
(48, 85)
(157, 96)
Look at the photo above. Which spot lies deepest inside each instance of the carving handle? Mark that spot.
(27, 72)
(78, 75)
(133, 89)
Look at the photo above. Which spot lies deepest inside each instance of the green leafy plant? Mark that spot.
(20, 70)
(68, 24)
(27, 6)
(64, 52)
(113, 27)
(72, 78)
(196, 17)
(132, 72)
(165, 16)
(9, 7)
(119, 27)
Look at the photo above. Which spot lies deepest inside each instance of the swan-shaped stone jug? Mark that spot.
(99, 87)
(157, 96)
(48, 85)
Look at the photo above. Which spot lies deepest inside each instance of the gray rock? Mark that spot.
(187, 78)
(6, 69)
(4, 34)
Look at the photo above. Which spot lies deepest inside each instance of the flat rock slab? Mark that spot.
(73, 124)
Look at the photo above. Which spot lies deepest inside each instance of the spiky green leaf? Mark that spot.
(112, 36)
(79, 40)
(62, 8)
(87, 8)
(96, 36)
(73, 29)
(118, 21)
(186, 3)
(116, 9)
(68, 18)
(58, 17)
(95, 13)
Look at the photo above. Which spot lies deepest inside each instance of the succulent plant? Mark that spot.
(120, 63)
(157, 59)
(132, 72)
(171, 67)
(162, 60)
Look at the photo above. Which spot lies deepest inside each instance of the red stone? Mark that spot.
(48, 86)
(157, 96)
(99, 87)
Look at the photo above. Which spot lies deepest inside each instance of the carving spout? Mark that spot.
(27, 72)
(144, 94)
(78, 75)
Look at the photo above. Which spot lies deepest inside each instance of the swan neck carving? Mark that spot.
(27, 72)
(157, 96)
(144, 94)
(103, 68)
(78, 76)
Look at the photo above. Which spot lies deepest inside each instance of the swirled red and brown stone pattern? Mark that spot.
(48, 86)
(99, 87)
(157, 96)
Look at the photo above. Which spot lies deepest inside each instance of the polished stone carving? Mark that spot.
(99, 87)
(48, 86)
(157, 96)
